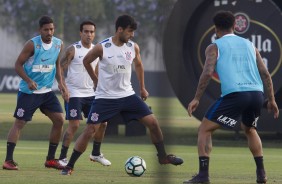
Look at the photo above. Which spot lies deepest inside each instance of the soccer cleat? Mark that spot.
(199, 178)
(101, 159)
(54, 163)
(10, 165)
(67, 170)
(261, 177)
(171, 159)
(63, 161)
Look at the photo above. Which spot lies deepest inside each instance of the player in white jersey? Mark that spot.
(81, 92)
(114, 93)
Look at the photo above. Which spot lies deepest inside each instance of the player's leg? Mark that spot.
(255, 146)
(73, 110)
(26, 106)
(157, 139)
(67, 139)
(53, 110)
(135, 108)
(54, 139)
(205, 131)
(224, 112)
(12, 139)
(96, 155)
(80, 146)
(249, 123)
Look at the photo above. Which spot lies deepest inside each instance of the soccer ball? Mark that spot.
(135, 166)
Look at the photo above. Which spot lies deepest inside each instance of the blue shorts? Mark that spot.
(235, 107)
(78, 105)
(131, 107)
(27, 104)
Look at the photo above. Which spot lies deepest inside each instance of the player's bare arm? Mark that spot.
(265, 76)
(60, 79)
(94, 53)
(267, 81)
(67, 57)
(208, 70)
(139, 69)
(27, 52)
(65, 61)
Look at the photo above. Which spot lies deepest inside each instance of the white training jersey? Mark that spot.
(114, 77)
(78, 81)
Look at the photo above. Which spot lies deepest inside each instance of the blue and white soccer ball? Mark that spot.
(135, 166)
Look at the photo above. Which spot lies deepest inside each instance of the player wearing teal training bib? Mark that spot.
(38, 65)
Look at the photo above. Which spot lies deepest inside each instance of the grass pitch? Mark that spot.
(231, 162)
(227, 165)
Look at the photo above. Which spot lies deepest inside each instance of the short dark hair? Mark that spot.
(125, 21)
(224, 20)
(86, 22)
(45, 19)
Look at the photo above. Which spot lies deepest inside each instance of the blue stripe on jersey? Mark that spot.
(67, 109)
(211, 112)
(105, 40)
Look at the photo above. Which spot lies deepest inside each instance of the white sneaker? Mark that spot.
(101, 159)
(63, 162)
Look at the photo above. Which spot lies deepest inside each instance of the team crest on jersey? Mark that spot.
(57, 46)
(107, 45)
(20, 112)
(78, 46)
(128, 55)
(73, 113)
(38, 46)
(94, 116)
(129, 44)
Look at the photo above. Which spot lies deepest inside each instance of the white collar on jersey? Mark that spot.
(46, 46)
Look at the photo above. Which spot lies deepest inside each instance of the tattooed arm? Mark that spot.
(208, 70)
(64, 63)
(268, 85)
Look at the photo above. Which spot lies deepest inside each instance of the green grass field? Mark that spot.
(231, 162)
(228, 165)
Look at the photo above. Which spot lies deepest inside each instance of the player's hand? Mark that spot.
(272, 106)
(32, 85)
(65, 93)
(192, 106)
(94, 86)
(144, 94)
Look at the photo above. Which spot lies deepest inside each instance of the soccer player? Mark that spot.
(81, 90)
(243, 76)
(114, 93)
(38, 65)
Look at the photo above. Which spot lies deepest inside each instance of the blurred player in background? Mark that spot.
(38, 65)
(81, 92)
(243, 75)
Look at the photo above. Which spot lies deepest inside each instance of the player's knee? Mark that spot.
(104, 125)
(152, 125)
(249, 130)
(19, 124)
(89, 130)
(73, 126)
